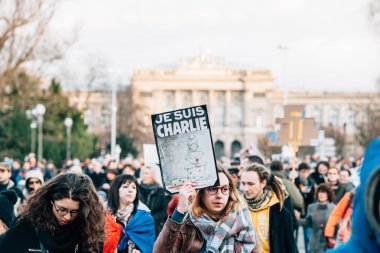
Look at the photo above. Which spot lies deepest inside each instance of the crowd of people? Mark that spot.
(100, 205)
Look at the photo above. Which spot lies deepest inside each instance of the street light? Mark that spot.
(33, 126)
(39, 111)
(68, 123)
(285, 83)
(115, 74)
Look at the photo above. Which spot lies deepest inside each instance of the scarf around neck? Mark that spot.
(232, 233)
(64, 240)
(124, 214)
(258, 204)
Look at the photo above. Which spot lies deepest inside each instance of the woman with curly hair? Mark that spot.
(63, 216)
(129, 228)
(215, 221)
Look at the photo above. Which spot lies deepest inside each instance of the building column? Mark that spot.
(228, 109)
(177, 100)
(211, 107)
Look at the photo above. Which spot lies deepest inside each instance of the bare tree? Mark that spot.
(369, 128)
(338, 135)
(133, 119)
(24, 37)
(374, 14)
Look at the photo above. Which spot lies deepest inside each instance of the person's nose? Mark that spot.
(68, 216)
(219, 193)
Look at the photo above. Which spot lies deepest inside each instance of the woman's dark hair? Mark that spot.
(113, 194)
(273, 183)
(78, 187)
(324, 163)
(346, 170)
(325, 188)
(276, 166)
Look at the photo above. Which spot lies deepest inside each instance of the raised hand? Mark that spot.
(186, 195)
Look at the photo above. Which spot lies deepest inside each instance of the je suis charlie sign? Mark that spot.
(185, 148)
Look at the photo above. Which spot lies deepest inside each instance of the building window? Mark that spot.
(258, 117)
(186, 98)
(219, 149)
(146, 94)
(236, 116)
(219, 116)
(203, 97)
(220, 109)
(279, 112)
(105, 118)
(333, 117)
(350, 117)
(169, 100)
(259, 120)
(237, 109)
(235, 148)
(316, 114)
(259, 95)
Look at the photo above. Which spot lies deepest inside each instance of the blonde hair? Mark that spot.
(234, 200)
(156, 173)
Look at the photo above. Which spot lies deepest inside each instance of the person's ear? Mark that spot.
(263, 184)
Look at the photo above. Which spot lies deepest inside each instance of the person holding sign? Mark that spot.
(211, 220)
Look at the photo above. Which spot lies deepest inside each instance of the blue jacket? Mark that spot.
(365, 229)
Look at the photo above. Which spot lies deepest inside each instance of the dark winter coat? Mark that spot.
(317, 178)
(308, 198)
(12, 186)
(281, 237)
(156, 199)
(22, 238)
(339, 191)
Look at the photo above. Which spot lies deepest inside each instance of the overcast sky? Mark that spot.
(332, 45)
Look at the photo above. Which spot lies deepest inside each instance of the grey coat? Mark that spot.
(317, 216)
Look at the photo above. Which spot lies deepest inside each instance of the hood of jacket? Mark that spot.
(365, 219)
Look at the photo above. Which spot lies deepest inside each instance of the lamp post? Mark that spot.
(285, 83)
(117, 153)
(68, 123)
(39, 111)
(115, 74)
(33, 126)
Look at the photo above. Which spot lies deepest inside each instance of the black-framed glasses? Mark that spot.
(62, 211)
(224, 190)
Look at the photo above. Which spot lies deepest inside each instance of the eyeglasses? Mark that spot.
(224, 190)
(62, 211)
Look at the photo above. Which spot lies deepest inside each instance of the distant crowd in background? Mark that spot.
(310, 199)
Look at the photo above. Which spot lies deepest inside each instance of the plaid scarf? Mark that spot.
(233, 233)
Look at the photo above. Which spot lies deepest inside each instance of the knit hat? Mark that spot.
(34, 174)
(8, 199)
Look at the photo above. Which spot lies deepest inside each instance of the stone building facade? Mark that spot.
(242, 104)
